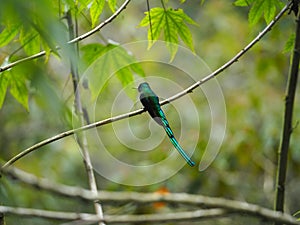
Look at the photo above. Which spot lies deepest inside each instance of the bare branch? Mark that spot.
(68, 133)
(146, 218)
(77, 39)
(48, 214)
(108, 197)
(167, 217)
(139, 111)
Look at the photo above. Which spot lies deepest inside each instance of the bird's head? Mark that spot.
(143, 86)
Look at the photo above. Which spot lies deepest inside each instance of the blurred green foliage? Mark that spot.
(254, 90)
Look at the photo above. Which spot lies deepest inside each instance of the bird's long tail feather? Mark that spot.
(170, 133)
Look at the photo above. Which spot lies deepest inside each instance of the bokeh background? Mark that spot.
(253, 88)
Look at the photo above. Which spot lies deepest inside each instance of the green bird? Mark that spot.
(151, 103)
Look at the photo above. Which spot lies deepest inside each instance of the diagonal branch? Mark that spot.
(77, 39)
(139, 111)
(231, 61)
(99, 27)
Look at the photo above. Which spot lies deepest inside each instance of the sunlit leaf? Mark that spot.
(256, 12)
(112, 5)
(8, 33)
(243, 2)
(172, 23)
(82, 4)
(3, 87)
(136, 67)
(30, 41)
(18, 88)
(266, 8)
(96, 10)
(270, 10)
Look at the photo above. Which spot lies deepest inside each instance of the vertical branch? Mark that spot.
(2, 221)
(80, 111)
(149, 16)
(287, 123)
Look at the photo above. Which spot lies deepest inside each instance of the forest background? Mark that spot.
(37, 99)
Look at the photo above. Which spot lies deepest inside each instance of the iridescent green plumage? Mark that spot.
(151, 103)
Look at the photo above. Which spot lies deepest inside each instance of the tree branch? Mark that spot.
(231, 61)
(108, 197)
(99, 27)
(111, 219)
(144, 218)
(82, 139)
(77, 39)
(139, 111)
(287, 123)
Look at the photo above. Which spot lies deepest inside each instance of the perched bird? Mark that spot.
(151, 103)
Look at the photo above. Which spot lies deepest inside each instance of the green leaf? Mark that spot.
(173, 24)
(8, 33)
(263, 7)
(289, 45)
(112, 5)
(136, 67)
(107, 61)
(30, 41)
(47, 49)
(18, 88)
(242, 2)
(3, 87)
(157, 22)
(81, 5)
(90, 53)
(96, 10)
(270, 10)
(256, 12)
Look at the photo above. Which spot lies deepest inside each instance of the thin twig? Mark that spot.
(99, 27)
(69, 133)
(139, 111)
(287, 123)
(108, 197)
(77, 39)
